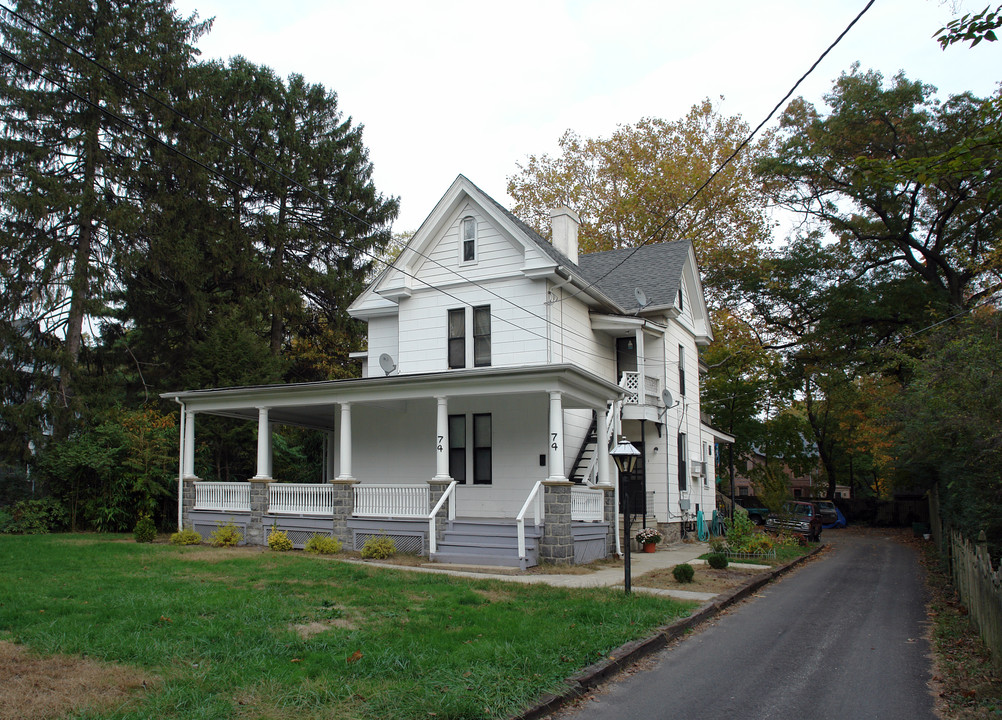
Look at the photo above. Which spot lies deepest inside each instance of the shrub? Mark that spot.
(35, 517)
(683, 573)
(740, 531)
(225, 535)
(186, 536)
(760, 544)
(323, 545)
(717, 561)
(278, 540)
(718, 545)
(145, 531)
(379, 548)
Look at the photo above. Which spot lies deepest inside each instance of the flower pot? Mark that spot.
(650, 547)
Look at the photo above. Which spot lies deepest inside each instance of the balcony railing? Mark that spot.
(630, 382)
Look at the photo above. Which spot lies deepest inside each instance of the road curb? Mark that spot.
(635, 650)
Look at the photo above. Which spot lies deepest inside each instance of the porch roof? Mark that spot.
(314, 404)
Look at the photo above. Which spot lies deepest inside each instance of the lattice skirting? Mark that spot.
(299, 529)
(411, 544)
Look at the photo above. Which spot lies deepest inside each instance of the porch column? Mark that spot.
(189, 446)
(329, 457)
(442, 436)
(641, 368)
(263, 445)
(603, 447)
(345, 442)
(556, 438)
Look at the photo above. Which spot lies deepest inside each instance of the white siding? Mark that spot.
(573, 341)
(685, 317)
(383, 338)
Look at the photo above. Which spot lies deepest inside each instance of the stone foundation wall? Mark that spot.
(557, 544)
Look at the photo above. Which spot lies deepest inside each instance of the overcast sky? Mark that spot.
(444, 88)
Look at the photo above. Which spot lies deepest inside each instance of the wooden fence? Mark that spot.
(980, 588)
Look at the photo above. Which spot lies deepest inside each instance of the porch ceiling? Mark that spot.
(316, 404)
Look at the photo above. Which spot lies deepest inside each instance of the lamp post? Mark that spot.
(625, 455)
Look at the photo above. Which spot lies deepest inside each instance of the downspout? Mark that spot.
(180, 469)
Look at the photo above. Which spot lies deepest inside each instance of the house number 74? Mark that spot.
(554, 443)
(440, 439)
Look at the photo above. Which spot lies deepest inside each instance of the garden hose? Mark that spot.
(701, 533)
(717, 525)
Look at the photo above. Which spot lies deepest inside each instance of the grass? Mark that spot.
(233, 633)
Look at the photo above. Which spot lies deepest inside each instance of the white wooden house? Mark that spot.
(499, 368)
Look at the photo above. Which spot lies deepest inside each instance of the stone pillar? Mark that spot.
(346, 443)
(344, 506)
(557, 545)
(257, 533)
(609, 515)
(556, 438)
(442, 437)
(263, 445)
(437, 488)
(187, 502)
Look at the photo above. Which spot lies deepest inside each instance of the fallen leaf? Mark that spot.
(357, 655)
(296, 660)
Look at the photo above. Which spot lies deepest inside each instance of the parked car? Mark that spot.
(756, 509)
(802, 518)
(826, 508)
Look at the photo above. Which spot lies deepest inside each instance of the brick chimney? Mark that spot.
(564, 223)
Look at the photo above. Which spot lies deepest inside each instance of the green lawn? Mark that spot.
(236, 633)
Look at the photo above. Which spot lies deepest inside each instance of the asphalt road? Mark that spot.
(841, 637)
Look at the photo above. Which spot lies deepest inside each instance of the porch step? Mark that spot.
(475, 541)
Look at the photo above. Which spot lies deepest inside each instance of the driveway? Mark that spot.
(842, 637)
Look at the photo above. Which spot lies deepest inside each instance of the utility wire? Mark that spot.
(731, 157)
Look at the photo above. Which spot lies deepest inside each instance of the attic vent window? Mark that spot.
(680, 306)
(469, 239)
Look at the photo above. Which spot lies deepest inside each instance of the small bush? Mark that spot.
(186, 536)
(379, 548)
(225, 535)
(683, 573)
(145, 531)
(278, 540)
(760, 544)
(740, 531)
(323, 545)
(718, 545)
(36, 517)
(717, 561)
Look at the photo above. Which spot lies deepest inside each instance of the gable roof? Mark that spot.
(655, 269)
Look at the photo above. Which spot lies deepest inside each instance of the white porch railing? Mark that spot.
(301, 498)
(630, 381)
(535, 501)
(233, 496)
(395, 501)
(432, 530)
(587, 504)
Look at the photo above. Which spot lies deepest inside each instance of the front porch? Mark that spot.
(559, 522)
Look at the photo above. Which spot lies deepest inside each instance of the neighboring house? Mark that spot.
(500, 368)
(813, 484)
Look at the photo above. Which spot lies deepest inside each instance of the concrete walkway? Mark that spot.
(640, 562)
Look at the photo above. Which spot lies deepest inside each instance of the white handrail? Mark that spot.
(301, 498)
(394, 501)
(520, 518)
(222, 496)
(432, 544)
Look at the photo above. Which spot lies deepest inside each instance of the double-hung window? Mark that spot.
(457, 338)
(461, 452)
(468, 230)
(683, 470)
(681, 370)
(481, 337)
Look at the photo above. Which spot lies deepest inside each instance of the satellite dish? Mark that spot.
(667, 399)
(641, 297)
(386, 362)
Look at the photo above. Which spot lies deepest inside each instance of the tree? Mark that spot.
(633, 187)
(862, 173)
(971, 28)
(64, 160)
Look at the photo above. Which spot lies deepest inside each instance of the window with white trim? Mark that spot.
(457, 338)
(477, 455)
(457, 333)
(468, 240)
(482, 336)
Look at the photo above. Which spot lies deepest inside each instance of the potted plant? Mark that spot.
(648, 538)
